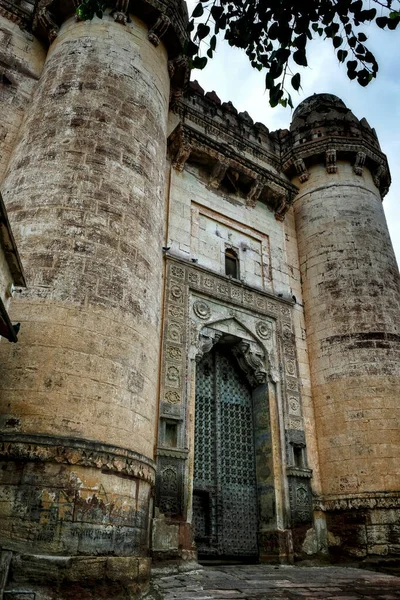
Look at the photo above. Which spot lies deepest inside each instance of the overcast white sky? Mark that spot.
(229, 73)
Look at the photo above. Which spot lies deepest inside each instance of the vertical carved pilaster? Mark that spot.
(330, 161)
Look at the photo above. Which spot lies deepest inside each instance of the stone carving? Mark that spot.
(173, 376)
(294, 405)
(201, 309)
(263, 330)
(172, 397)
(174, 332)
(367, 501)
(120, 12)
(217, 174)
(255, 191)
(330, 159)
(44, 19)
(301, 170)
(178, 272)
(290, 367)
(36, 448)
(184, 139)
(157, 31)
(176, 292)
(358, 167)
(174, 353)
(251, 359)
(207, 339)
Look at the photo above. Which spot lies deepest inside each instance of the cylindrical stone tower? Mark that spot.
(85, 192)
(351, 289)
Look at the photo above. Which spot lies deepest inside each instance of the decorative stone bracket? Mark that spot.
(207, 339)
(252, 362)
(166, 20)
(187, 144)
(334, 148)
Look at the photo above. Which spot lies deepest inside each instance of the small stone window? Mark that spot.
(171, 434)
(231, 263)
(298, 456)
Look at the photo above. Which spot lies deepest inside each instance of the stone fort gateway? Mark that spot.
(208, 361)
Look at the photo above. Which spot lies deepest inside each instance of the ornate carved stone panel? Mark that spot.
(200, 308)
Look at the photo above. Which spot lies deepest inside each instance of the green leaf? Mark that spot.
(296, 81)
(299, 57)
(213, 42)
(362, 37)
(216, 12)
(382, 22)
(202, 31)
(191, 48)
(337, 41)
(199, 62)
(198, 11)
(342, 54)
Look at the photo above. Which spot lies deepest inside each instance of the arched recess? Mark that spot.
(227, 344)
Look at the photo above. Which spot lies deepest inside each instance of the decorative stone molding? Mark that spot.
(195, 328)
(358, 166)
(330, 161)
(374, 159)
(69, 451)
(367, 501)
(252, 361)
(299, 472)
(277, 192)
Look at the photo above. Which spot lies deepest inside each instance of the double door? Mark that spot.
(225, 490)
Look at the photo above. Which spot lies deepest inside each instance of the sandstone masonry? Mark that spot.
(210, 319)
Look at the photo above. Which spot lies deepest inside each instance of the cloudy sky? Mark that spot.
(229, 73)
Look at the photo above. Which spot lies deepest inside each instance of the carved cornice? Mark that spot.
(332, 148)
(367, 501)
(17, 12)
(185, 142)
(173, 453)
(72, 451)
(167, 19)
(299, 472)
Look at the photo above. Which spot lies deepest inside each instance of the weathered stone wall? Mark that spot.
(84, 189)
(22, 57)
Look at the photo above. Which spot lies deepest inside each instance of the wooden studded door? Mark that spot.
(224, 489)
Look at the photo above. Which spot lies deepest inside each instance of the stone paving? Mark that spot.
(266, 582)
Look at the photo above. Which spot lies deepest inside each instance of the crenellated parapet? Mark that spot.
(236, 155)
(324, 130)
